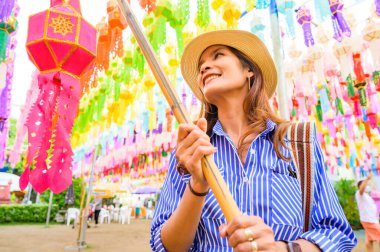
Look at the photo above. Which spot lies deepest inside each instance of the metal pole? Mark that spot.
(82, 241)
(49, 209)
(210, 171)
(29, 193)
(38, 198)
(282, 92)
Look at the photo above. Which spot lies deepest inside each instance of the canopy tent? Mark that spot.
(146, 190)
(6, 178)
(109, 190)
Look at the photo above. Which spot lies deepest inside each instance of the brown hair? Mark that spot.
(256, 106)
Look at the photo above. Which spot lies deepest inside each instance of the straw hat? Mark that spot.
(245, 42)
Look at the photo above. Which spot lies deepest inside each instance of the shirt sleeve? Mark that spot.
(330, 229)
(171, 194)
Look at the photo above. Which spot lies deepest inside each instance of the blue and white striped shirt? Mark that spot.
(261, 187)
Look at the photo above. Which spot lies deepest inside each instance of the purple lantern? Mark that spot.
(377, 6)
(304, 19)
(339, 23)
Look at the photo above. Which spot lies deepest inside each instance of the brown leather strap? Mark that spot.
(301, 137)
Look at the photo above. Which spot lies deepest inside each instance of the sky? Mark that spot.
(92, 11)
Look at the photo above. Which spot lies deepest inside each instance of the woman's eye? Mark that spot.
(217, 55)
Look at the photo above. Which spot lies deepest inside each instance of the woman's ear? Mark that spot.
(250, 74)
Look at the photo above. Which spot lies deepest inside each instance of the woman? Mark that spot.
(234, 75)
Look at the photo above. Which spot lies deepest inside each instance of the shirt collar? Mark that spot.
(270, 127)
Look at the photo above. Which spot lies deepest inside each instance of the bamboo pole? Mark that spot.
(82, 241)
(83, 193)
(210, 171)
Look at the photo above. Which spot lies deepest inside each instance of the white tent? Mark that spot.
(5, 178)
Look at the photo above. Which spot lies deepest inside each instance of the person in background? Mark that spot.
(138, 207)
(97, 206)
(369, 217)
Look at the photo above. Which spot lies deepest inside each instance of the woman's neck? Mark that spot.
(233, 119)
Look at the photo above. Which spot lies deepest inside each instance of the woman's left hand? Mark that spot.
(250, 233)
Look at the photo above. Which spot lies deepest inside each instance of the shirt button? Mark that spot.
(245, 179)
(253, 152)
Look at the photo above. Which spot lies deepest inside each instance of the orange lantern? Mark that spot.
(116, 25)
(62, 45)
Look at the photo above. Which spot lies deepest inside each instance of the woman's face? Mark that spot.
(221, 74)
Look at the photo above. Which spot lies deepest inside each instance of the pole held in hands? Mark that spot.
(210, 171)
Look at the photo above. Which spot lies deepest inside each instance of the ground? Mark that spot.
(105, 238)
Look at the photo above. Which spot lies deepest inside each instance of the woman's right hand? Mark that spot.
(192, 144)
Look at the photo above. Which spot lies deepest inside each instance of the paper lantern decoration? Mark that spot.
(287, 8)
(304, 19)
(103, 47)
(343, 51)
(6, 28)
(360, 79)
(180, 18)
(371, 33)
(339, 23)
(148, 5)
(377, 6)
(202, 18)
(6, 8)
(257, 26)
(116, 25)
(323, 36)
(62, 45)
(262, 4)
(231, 14)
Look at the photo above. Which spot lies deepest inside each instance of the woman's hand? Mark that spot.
(250, 233)
(193, 143)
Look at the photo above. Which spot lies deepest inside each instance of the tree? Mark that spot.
(59, 199)
(346, 189)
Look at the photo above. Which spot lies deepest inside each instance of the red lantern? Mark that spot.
(62, 45)
(360, 83)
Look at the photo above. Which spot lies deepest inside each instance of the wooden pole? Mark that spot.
(83, 193)
(82, 240)
(210, 171)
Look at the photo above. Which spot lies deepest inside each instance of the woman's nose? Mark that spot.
(205, 68)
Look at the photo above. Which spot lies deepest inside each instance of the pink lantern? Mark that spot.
(62, 45)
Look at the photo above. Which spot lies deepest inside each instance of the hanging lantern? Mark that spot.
(377, 6)
(203, 13)
(360, 82)
(62, 45)
(304, 19)
(339, 23)
(148, 5)
(103, 47)
(6, 8)
(286, 7)
(6, 28)
(116, 25)
(371, 33)
(180, 18)
(231, 14)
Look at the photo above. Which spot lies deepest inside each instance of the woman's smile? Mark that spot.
(209, 77)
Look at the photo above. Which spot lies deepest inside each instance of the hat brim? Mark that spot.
(245, 42)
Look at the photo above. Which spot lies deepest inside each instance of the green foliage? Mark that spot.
(346, 189)
(35, 213)
(59, 199)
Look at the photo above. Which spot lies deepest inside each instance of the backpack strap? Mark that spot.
(301, 137)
